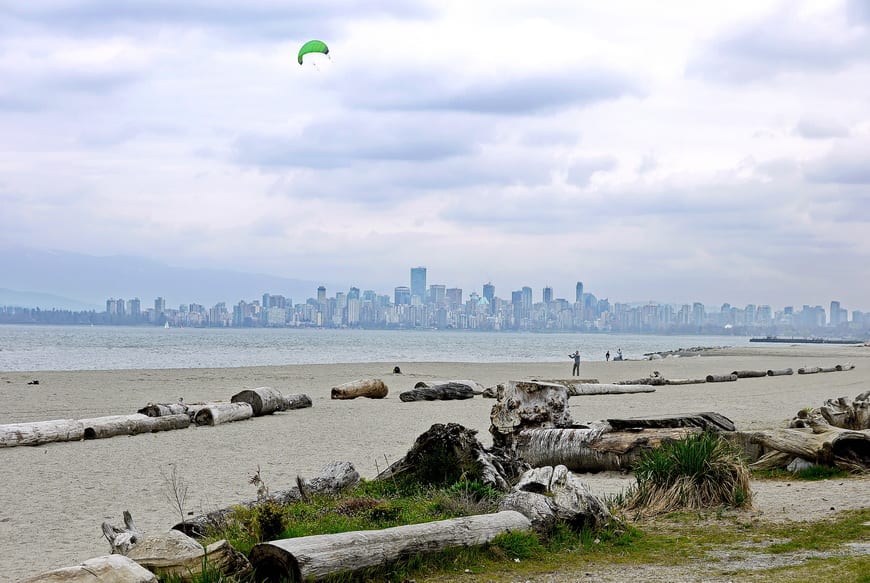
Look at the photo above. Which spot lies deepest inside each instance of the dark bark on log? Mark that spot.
(443, 392)
(315, 557)
(333, 478)
(780, 372)
(371, 388)
(706, 420)
(113, 425)
(721, 378)
(41, 432)
(296, 401)
(163, 409)
(263, 400)
(445, 454)
(108, 569)
(527, 404)
(748, 374)
(475, 386)
(593, 449)
(217, 413)
(175, 555)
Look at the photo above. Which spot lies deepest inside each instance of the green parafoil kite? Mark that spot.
(312, 46)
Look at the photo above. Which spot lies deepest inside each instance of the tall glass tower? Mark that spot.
(418, 283)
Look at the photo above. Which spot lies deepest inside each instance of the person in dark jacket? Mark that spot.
(576, 356)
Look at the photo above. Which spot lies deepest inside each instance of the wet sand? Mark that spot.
(53, 498)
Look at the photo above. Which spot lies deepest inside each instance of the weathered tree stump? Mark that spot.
(371, 388)
(108, 569)
(41, 432)
(263, 400)
(315, 557)
(217, 413)
(721, 378)
(528, 404)
(549, 494)
(448, 391)
(113, 425)
(779, 372)
(445, 454)
(748, 374)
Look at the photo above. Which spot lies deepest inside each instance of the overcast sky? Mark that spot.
(671, 151)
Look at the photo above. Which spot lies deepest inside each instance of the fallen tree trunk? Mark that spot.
(174, 555)
(842, 412)
(809, 370)
(475, 386)
(163, 409)
(41, 432)
(651, 380)
(779, 372)
(823, 444)
(263, 400)
(706, 420)
(371, 388)
(315, 557)
(721, 378)
(684, 381)
(217, 413)
(112, 425)
(108, 569)
(592, 449)
(583, 389)
(847, 366)
(443, 392)
(748, 374)
(296, 401)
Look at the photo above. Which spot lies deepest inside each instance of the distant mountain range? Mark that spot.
(34, 278)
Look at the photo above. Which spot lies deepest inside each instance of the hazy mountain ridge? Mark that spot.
(59, 279)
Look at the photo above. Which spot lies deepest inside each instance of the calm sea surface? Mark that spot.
(34, 348)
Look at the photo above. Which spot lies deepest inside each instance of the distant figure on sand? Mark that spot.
(607, 356)
(576, 357)
(618, 354)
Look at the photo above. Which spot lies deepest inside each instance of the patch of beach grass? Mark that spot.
(811, 473)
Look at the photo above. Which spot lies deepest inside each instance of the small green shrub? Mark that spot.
(821, 473)
(517, 545)
(268, 518)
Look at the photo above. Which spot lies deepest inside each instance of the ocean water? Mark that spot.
(40, 348)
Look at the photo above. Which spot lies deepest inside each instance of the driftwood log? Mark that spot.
(721, 378)
(41, 432)
(809, 370)
(684, 381)
(163, 409)
(296, 401)
(706, 420)
(122, 539)
(779, 372)
(113, 425)
(583, 389)
(842, 412)
(371, 388)
(475, 386)
(593, 449)
(527, 404)
(448, 391)
(263, 400)
(217, 413)
(108, 569)
(748, 374)
(822, 444)
(654, 380)
(333, 478)
(175, 555)
(316, 557)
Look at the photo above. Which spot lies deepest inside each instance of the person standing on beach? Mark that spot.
(576, 356)
(607, 356)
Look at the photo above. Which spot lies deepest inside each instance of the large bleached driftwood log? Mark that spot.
(371, 388)
(315, 557)
(108, 569)
(217, 413)
(41, 432)
(705, 420)
(779, 372)
(721, 378)
(163, 409)
(295, 401)
(263, 400)
(809, 370)
(527, 404)
(654, 380)
(822, 444)
(113, 425)
(684, 381)
(475, 386)
(842, 412)
(175, 555)
(448, 391)
(582, 390)
(592, 449)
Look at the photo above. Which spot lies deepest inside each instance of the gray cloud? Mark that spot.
(777, 44)
(581, 170)
(847, 163)
(510, 95)
(814, 128)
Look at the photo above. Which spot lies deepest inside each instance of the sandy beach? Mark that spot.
(53, 498)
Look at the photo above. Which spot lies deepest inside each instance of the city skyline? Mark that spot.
(666, 151)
